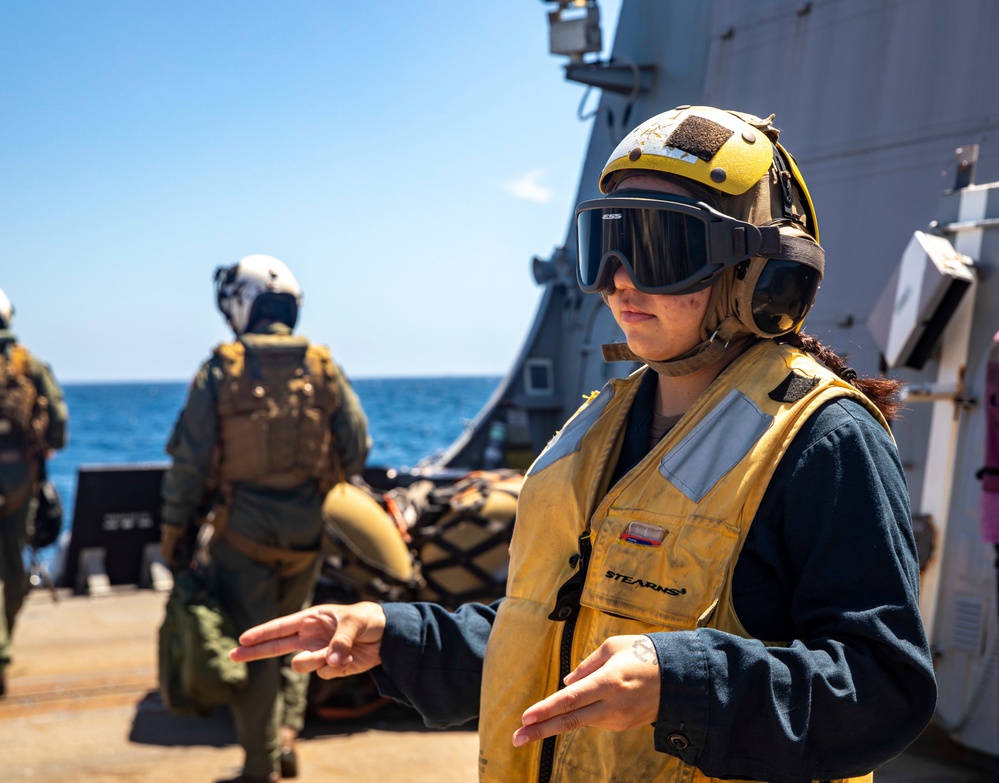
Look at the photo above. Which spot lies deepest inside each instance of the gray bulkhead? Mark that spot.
(873, 98)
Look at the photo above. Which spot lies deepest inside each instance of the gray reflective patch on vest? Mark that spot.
(715, 445)
(567, 440)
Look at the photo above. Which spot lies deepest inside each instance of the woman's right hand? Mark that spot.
(336, 640)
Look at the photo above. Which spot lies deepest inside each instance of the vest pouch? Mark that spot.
(282, 438)
(243, 442)
(16, 406)
(671, 584)
(23, 412)
(314, 442)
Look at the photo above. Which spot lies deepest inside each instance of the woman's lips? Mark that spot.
(633, 315)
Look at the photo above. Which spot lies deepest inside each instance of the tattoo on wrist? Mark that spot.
(643, 650)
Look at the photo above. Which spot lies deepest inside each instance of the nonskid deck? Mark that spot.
(82, 704)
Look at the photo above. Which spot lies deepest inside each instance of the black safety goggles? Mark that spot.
(667, 244)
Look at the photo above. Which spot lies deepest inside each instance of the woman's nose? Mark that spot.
(622, 279)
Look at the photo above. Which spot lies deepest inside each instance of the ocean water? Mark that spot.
(410, 420)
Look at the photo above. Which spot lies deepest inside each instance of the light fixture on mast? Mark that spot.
(574, 31)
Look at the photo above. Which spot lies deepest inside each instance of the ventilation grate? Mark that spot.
(968, 615)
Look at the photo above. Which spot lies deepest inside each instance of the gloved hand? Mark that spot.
(170, 536)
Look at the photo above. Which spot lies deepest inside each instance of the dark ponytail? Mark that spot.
(885, 393)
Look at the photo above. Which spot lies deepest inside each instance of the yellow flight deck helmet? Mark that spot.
(750, 230)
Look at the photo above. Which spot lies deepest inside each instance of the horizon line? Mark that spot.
(351, 377)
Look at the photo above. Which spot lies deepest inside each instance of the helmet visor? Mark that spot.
(667, 244)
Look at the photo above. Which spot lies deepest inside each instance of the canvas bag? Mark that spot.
(195, 672)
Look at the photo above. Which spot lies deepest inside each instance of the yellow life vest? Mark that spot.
(274, 409)
(698, 489)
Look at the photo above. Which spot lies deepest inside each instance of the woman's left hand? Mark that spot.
(616, 688)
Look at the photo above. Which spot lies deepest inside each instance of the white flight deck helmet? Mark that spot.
(257, 286)
(6, 311)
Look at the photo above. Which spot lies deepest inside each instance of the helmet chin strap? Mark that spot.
(728, 341)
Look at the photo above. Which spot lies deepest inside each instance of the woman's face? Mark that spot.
(658, 326)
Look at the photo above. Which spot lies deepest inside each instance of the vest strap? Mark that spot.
(289, 562)
(726, 343)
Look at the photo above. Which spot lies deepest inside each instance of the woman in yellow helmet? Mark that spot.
(713, 573)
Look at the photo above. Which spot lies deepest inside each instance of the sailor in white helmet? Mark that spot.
(33, 425)
(270, 425)
(712, 573)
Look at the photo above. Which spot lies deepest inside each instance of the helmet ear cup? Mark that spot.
(773, 295)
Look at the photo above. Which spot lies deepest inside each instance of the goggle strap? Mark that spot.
(619, 352)
(789, 247)
(802, 251)
(708, 352)
(770, 247)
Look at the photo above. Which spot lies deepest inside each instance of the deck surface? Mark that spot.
(82, 705)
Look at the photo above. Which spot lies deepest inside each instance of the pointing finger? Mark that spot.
(262, 650)
(273, 629)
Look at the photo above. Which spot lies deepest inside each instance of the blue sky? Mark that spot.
(406, 160)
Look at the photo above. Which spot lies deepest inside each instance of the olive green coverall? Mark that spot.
(16, 473)
(253, 592)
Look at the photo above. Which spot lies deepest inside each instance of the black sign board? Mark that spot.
(118, 510)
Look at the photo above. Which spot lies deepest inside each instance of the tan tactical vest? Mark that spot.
(274, 410)
(24, 413)
(699, 488)
(24, 422)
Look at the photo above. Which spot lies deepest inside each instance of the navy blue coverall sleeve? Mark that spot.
(432, 659)
(829, 570)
